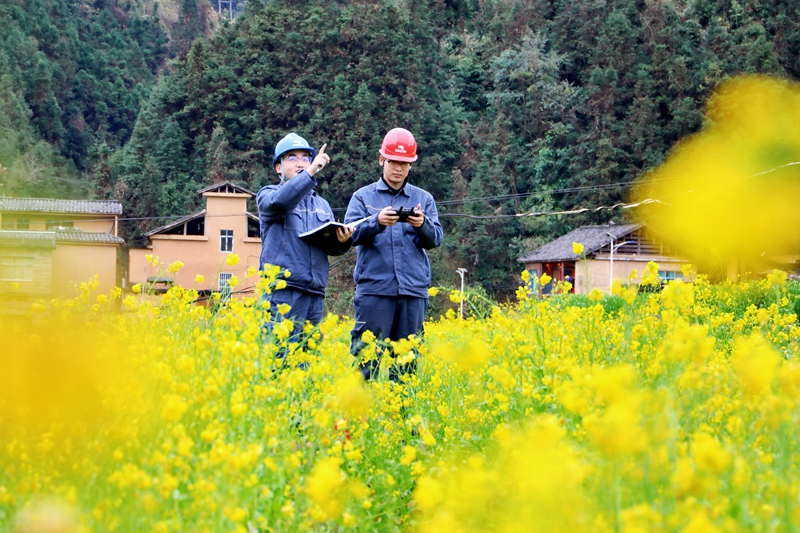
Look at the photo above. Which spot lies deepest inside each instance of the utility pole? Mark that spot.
(611, 262)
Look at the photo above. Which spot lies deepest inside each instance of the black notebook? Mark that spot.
(326, 233)
(322, 234)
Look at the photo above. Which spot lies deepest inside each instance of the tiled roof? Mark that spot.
(48, 239)
(591, 237)
(76, 235)
(50, 205)
(227, 187)
(27, 239)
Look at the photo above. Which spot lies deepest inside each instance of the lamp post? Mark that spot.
(461, 272)
(611, 262)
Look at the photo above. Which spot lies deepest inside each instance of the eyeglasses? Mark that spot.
(295, 159)
(401, 164)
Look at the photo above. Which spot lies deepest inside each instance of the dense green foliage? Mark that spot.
(517, 106)
(73, 76)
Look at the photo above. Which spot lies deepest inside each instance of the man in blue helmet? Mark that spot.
(286, 210)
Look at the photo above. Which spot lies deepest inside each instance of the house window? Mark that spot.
(222, 283)
(669, 275)
(16, 268)
(226, 240)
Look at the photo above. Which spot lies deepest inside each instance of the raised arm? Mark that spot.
(277, 202)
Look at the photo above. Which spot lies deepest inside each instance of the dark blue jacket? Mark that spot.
(391, 259)
(284, 212)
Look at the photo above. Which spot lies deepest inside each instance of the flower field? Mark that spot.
(661, 411)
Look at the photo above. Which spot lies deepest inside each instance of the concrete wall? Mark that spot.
(594, 273)
(75, 263)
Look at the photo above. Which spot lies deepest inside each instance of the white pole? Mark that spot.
(461, 272)
(611, 265)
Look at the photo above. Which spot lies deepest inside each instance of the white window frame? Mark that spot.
(670, 275)
(226, 236)
(16, 268)
(222, 282)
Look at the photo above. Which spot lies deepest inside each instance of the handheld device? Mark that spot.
(404, 212)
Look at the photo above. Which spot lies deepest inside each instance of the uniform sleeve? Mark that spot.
(277, 202)
(430, 234)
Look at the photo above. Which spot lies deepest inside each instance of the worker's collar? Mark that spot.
(384, 186)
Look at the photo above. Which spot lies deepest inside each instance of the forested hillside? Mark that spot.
(517, 105)
(73, 77)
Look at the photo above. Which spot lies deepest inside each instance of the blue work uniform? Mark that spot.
(285, 211)
(392, 271)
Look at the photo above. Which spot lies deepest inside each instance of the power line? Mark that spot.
(528, 194)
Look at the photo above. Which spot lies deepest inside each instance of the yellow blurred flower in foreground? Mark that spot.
(731, 191)
(756, 364)
(324, 486)
(232, 260)
(577, 248)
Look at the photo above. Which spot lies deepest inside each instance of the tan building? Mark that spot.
(48, 246)
(203, 242)
(612, 251)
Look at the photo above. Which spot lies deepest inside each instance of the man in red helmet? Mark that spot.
(392, 271)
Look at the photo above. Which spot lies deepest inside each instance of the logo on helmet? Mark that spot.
(400, 148)
(297, 142)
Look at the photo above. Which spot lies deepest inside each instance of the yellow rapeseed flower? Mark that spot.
(595, 295)
(175, 266)
(756, 363)
(577, 248)
(324, 486)
(232, 260)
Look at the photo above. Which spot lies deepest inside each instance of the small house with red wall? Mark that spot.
(610, 251)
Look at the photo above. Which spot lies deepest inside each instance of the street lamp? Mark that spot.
(611, 262)
(461, 272)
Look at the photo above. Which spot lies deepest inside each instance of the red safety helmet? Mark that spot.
(399, 145)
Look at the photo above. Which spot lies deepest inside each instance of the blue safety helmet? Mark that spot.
(291, 142)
